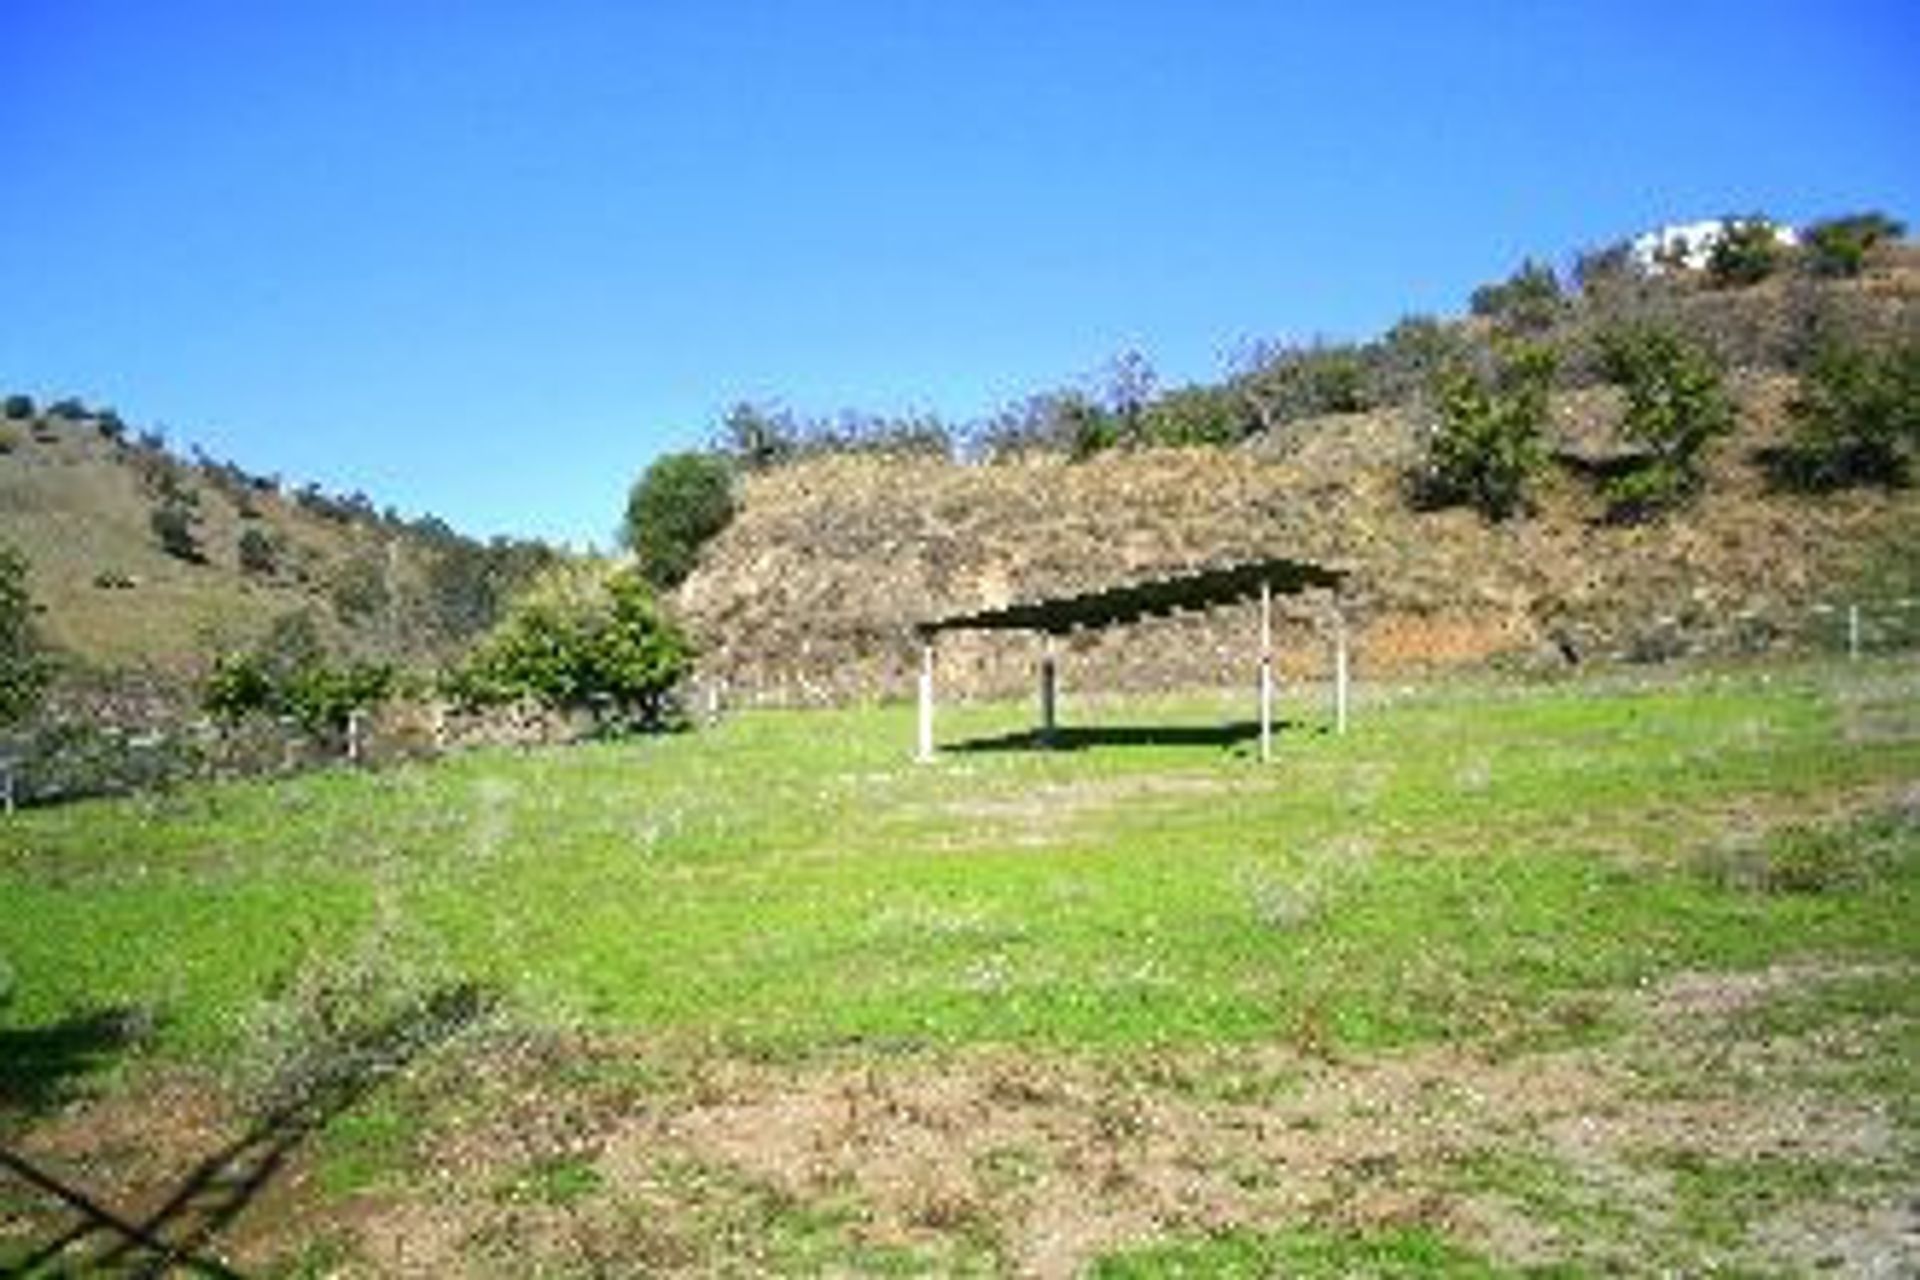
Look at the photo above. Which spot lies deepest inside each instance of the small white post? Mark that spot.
(356, 719)
(1266, 672)
(1339, 674)
(1049, 690)
(1853, 632)
(6, 783)
(924, 753)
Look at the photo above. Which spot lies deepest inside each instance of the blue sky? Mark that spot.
(487, 260)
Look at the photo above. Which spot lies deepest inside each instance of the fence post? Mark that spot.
(1853, 632)
(6, 782)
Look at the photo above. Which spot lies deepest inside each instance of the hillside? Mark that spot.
(77, 499)
(811, 593)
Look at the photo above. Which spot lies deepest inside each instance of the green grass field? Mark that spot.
(1159, 952)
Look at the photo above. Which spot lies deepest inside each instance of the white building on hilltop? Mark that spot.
(1690, 244)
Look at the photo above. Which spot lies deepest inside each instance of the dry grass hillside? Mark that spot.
(812, 592)
(78, 504)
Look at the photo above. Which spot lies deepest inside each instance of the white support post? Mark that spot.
(1853, 632)
(1266, 672)
(356, 727)
(1339, 674)
(1049, 691)
(924, 752)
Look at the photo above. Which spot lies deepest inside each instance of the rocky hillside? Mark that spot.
(78, 499)
(812, 592)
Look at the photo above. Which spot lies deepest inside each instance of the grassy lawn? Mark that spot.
(1477, 878)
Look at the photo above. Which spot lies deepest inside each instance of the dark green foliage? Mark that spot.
(1838, 247)
(259, 552)
(678, 504)
(1090, 429)
(1487, 445)
(1747, 251)
(1856, 418)
(359, 588)
(24, 668)
(1527, 301)
(1196, 416)
(1287, 383)
(111, 427)
(1676, 405)
(19, 407)
(1598, 270)
(172, 523)
(72, 408)
(583, 639)
(289, 674)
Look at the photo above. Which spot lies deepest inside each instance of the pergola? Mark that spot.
(1196, 590)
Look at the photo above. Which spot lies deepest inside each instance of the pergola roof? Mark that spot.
(1161, 596)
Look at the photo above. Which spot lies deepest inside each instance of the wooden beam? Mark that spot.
(924, 750)
(1049, 692)
(1339, 673)
(1266, 672)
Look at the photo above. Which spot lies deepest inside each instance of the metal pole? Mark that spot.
(1266, 672)
(925, 749)
(1049, 691)
(1853, 632)
(1340, 675)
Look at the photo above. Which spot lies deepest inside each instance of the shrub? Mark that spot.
(258, 552)
(19, 407)
(583, 638)
(172, 523)
(69, 407)
(24, 667)
(1528, 300)
(755, 436)
(1196, 416)
(289, 675)
(1838, 247)
(1856, 418)
(359, 589)
(1746, 251)
(1676, 405)
(678, 505)
(1287, 383)
(1487, 444)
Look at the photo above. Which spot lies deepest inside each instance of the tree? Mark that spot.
(24, 667)
(1838, 247)
(172, 524)
(1856, 418)
(1527, 301)
(1746, 251)
(19, 407)
(1676, 405)
(258, 552)
(585, 636)
(756, 437)
(678, 504)
(1487, 444)
(289, 674)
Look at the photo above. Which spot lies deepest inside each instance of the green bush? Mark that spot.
(1747, 251)
(1527, 301)
(1676, 405)
(1487, 444)
(19, 407)
(678, 505)
(318, 694)
(1838, 247)
(1856, 418)
(258, 552)
(585, 637)
(172, 524)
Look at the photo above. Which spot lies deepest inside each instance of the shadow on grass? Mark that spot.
(39, 1066)
(1223, 737)
(177, 1233)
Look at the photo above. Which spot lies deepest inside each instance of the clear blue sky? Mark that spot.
(487, 260)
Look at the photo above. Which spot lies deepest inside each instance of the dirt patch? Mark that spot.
(691, 1161)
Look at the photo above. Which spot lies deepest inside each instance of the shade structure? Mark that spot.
(1163, 595)
(1160, 596)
